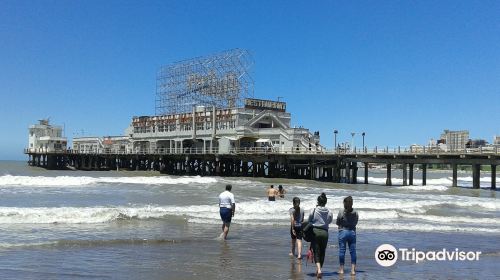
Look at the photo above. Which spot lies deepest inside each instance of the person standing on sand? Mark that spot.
(296, 219)
(347, 220)
(271, 193)
(320, 218)
(227, 206)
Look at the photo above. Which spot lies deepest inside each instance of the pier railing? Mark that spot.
(495, 150)
(492, 150)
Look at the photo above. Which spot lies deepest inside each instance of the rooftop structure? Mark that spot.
(221, 80)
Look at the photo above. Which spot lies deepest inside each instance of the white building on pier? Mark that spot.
(260, 125)
(46, 137)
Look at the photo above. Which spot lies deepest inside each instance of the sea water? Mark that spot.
(143, 225)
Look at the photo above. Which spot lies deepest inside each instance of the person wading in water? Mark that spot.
(227, 206)
(271, 193)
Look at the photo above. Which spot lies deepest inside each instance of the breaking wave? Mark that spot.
(408, 215)
(69, 181)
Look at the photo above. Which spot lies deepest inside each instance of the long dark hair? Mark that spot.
(296, 206)
(322, 199)
(348, 204)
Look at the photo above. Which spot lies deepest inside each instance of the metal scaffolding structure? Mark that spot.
(222, 80)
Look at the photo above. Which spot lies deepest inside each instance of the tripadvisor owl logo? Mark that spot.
(387, 255)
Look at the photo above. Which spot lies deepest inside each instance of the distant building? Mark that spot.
(496, 140)
(476, 143)
(46, 137)
(455, 140)
(415, 148)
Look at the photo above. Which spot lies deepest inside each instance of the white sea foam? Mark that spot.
(69, 181)
(425, 227)
(453, 219)
(424, 188)
(440, 184)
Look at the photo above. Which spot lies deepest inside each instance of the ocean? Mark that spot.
(143, 225)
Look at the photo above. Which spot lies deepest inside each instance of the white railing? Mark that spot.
(494, 150)
(399, 150)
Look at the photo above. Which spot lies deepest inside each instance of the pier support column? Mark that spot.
(366, 172)
(244, 168)
(388, 181)
(493, 177)
(411, 174)
(354, 173)
(476, 173)
(288, 168)
(271, 169)
(405, 174)
(218, 167)
(347, 172)
(262, 170)
(335, 173)
(424, 174)
(454, 176)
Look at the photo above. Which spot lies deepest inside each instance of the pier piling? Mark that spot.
(493, 177)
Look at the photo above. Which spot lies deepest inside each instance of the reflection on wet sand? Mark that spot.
(225, 260)
(296, 269)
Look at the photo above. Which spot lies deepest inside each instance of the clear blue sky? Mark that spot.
(401, 71)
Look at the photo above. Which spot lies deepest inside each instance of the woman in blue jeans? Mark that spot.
(347, 219)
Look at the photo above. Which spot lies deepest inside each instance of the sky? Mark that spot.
(400, 71)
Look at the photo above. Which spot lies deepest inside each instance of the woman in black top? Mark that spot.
(347, 219)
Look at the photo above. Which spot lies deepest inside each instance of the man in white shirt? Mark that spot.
(227, 206)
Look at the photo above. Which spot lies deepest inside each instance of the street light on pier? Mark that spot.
(352, 140)
(335, 132)
(363, 134)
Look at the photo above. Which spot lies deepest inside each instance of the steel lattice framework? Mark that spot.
(222, 80)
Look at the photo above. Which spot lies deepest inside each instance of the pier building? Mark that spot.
(258, 125)
(46, 137)
(206, 104)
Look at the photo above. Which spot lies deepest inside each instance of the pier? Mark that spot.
(331, 166)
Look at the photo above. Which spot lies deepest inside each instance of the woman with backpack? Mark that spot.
(320, 218)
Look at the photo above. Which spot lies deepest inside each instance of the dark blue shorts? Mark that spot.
(298, 231)
(226, 214)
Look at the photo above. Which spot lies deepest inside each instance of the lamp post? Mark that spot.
(335, 142)
(352, 140)
(363, 134)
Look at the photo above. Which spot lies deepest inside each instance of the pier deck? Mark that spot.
(333, 166)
